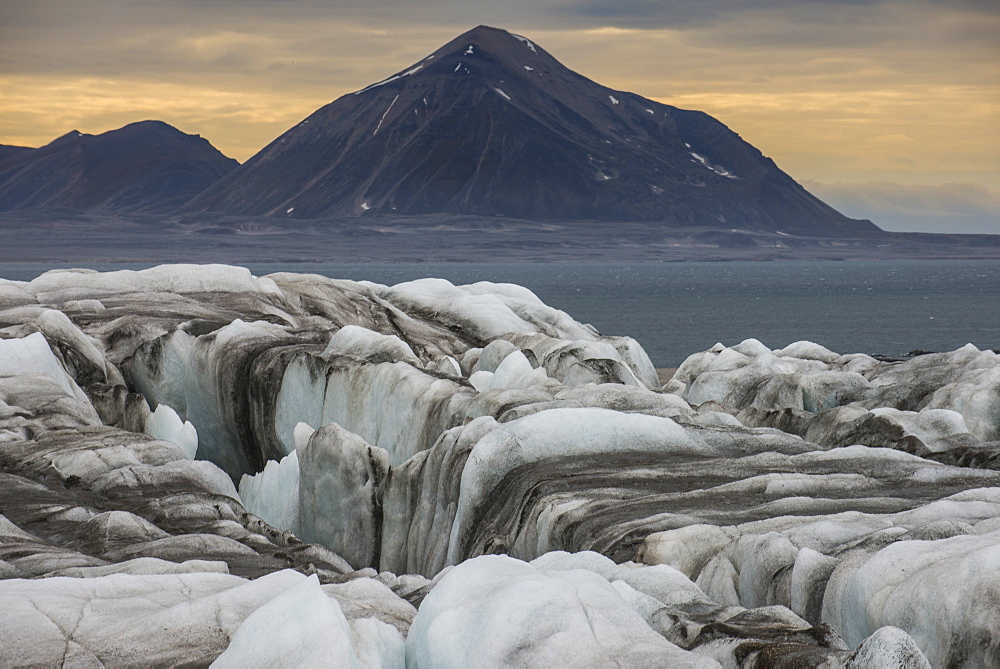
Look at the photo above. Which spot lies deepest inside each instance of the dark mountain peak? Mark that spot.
(69, 138)
(140, 131)
(149, 127)
(481, 32)
(491, 124)
(147, 166)
(481, 54)
(149, 132)
(152, 123)
(495, 41)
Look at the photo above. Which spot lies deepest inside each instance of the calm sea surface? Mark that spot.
(675, 309)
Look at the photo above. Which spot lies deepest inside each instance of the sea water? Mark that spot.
(889, 307)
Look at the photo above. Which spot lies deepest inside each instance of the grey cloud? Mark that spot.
(689, 13)
(901, 30)
(952, 207)
(111, 36)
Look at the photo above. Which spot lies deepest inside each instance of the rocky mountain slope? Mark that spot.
(491, 124)
(7, 151)
(145, 167)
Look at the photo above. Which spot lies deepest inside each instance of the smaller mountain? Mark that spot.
(144, 167)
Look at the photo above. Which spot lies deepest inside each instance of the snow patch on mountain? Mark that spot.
(525, 41)
(384, 115)
(721, 171)
(391, 79)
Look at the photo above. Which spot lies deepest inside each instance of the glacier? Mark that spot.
(295, 470)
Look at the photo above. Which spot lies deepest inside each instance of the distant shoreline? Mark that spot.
(66, 236)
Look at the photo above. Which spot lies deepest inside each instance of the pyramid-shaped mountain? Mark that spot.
(491, 124)
(145, 167)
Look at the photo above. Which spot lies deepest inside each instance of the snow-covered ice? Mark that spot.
(764, 505)
(508, 613)
(273, 494)
(304, 627)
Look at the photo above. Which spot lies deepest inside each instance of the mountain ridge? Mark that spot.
(143, 167)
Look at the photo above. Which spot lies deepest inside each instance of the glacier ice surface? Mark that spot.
(788, 500)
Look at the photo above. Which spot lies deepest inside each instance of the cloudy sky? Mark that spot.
(887, 109)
